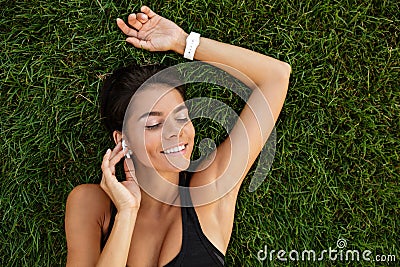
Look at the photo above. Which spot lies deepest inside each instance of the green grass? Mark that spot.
(337, 166)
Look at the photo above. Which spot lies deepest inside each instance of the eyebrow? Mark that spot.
(159, 113)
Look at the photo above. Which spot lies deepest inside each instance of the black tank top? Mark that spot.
(196, 249)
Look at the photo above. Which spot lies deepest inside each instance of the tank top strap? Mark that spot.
(184, 180)
(194, 240)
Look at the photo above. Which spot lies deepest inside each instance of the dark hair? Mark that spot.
(122, 84)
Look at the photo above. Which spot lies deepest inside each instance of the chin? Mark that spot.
(178, 167)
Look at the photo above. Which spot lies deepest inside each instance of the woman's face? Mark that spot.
(158, 129)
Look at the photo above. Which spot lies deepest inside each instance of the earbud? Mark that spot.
(124, 146)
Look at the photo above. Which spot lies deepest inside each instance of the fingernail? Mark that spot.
(108, 151)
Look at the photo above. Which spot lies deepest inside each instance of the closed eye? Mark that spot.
(182, 119)
(152, 127)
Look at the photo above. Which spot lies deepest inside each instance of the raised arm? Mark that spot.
(269, 76)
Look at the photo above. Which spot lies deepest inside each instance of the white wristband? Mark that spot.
(192, 42)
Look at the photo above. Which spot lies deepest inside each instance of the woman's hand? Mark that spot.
(153, 32)
(126, 195)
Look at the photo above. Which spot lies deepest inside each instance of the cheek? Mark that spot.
(143, 143)
(135, 138)
(152, 141)
(193, 131)
(190, 130)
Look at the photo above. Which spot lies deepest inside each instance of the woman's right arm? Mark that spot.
(85, 212)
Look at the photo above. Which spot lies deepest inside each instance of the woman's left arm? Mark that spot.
(269, 81)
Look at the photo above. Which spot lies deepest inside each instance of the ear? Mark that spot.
(117, 136)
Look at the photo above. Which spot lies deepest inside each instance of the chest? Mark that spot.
(155, 242)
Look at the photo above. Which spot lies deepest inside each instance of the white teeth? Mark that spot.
(174, 149)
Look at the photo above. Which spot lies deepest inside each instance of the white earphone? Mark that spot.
(124, 146)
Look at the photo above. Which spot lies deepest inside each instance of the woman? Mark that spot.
(141, 230)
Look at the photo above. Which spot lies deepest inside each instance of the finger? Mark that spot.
(125, 28)
(143, 18)
(116, 158)
(138, 43)
(129, 169)
(105, 166)
(146, 10)
(106, 160)
(116, 149)
(134, 21)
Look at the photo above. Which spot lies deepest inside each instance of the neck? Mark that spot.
(159, 190)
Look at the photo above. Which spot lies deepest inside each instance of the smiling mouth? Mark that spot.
(175, 149)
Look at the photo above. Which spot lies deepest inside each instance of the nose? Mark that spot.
(172, 129)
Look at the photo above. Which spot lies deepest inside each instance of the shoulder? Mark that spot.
(87, 217)
(88, 202)
(88, 194)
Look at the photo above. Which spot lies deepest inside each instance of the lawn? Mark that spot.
(336, 170)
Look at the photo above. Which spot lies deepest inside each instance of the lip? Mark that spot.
(183, 151)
